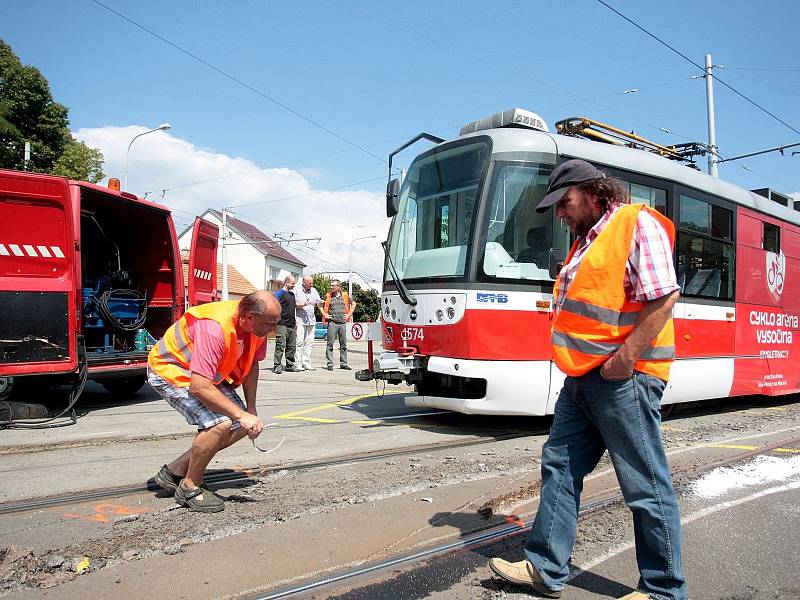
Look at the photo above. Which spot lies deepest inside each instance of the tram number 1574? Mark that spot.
(409, 334)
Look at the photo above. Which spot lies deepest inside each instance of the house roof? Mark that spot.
(261, 241)
(237, 283)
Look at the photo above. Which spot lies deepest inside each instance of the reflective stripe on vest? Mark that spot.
(171, 356)
(595, 318)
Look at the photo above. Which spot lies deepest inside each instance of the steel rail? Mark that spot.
(495, 533)
(215, 480)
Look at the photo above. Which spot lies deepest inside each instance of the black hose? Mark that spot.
(47, 423)
(108, 316)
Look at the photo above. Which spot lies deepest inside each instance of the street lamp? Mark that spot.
(350, 264)
(163, 126)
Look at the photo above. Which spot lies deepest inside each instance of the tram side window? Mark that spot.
(771, 238)
(644, 194)
(705, 249)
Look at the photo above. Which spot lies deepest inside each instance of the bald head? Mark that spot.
(259, 313)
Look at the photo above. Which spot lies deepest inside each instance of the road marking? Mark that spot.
(107, 512)
(741, 447)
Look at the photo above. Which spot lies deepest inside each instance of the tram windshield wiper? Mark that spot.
(402, 290)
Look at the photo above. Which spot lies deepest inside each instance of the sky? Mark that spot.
(287, 111)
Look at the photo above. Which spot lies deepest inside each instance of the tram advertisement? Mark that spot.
(767, 350)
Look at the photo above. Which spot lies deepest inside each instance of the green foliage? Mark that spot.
(322, 283)
(79, 161)
(368, 306)
(28, 113)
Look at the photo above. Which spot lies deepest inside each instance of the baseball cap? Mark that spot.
(563, 177)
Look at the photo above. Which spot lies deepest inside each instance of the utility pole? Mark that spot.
(713, 158)
(224, 254)
(27, 156)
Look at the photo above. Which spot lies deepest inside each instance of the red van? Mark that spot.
(90, 277)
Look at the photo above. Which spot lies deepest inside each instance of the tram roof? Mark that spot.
(515, 143)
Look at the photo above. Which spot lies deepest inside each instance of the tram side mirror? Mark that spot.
(556, 261)
(392, 197)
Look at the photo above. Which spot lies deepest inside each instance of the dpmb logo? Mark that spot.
(776, 271)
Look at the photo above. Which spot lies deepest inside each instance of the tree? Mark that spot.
(368, 305)
(28, 113)
(79, 161)
(322, 283)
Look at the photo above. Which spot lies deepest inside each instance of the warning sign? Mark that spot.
(357, 331)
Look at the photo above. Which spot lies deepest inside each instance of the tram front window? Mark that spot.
(433, 227)
(518, 239)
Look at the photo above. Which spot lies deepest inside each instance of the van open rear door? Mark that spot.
(38, 306)
(202, 273)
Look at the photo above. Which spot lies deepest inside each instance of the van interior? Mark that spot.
(128, 276)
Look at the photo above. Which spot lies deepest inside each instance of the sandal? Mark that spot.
(199, 499)
(166, 479)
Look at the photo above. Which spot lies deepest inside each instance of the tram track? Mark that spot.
(248, 475)
(492, 534)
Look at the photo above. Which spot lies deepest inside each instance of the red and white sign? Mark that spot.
(776, 272)
(356, 331)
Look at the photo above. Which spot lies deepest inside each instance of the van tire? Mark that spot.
(124, 387)
(7, 388)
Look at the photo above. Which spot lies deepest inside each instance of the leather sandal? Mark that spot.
(199, 499)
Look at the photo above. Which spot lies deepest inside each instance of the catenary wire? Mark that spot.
(239, 81)
(682, 55)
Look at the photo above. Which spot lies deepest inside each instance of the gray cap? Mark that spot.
(565, 176)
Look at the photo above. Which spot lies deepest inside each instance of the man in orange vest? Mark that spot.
(337, 311)
(613, 337)
(196, 367)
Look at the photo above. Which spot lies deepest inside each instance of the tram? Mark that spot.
(467, 301)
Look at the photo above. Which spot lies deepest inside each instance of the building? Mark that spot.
(238, 285)
(253, 254)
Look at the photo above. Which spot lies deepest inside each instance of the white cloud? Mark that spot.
(281, 200)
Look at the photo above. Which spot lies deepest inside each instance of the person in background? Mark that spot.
(286, 339)
(307, 299)
(337, 311)
(196, 367)
(613, 336)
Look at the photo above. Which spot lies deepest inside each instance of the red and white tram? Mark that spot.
(467, 302)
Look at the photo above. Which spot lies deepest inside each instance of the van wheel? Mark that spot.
(124, 386)
(7, 385)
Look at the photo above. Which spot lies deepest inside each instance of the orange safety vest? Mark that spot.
(346, 299)
(596, 317)
(171, 356)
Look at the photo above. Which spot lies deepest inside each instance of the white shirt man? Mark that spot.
(307, 298)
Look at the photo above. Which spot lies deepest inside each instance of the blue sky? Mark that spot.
(376, 73)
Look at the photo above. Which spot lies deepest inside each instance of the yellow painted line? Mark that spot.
(327, 405)
(365, 422)
(776, 408)
(668, 428)
(739, 447)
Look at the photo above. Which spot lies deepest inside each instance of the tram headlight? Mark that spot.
(439, 314)
(387, 312)
(451, 313)
(394, 315)
(452, 299)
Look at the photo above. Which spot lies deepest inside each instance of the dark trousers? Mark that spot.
(285, 341)
(337, 330)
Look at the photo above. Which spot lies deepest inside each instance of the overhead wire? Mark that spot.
(761, 81)
(702, 68)
(240, 82)
(486, 61)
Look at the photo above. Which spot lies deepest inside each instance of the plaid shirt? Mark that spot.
(650, 272)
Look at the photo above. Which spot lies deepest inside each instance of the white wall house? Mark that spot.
(254, 254)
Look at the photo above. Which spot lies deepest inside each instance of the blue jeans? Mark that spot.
(593, 414)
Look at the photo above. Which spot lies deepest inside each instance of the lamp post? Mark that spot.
(163, 126)
(350, 264)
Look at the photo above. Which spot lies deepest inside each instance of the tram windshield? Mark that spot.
(432, 230)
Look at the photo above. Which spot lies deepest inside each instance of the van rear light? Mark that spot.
(113, 184)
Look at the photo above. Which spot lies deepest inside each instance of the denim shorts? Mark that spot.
(194, 411)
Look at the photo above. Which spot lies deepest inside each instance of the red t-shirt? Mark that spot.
(209, 346)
